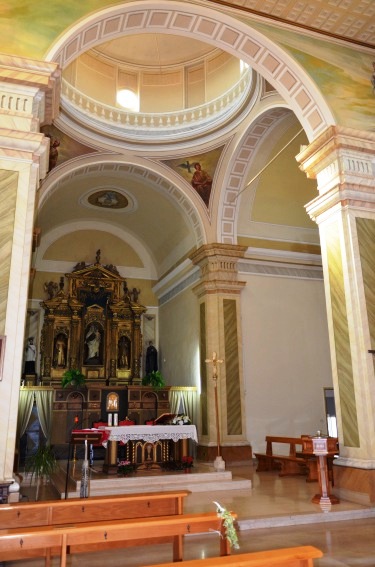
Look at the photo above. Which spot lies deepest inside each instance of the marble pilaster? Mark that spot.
(342, 162)
(28, 100)
(220, 331)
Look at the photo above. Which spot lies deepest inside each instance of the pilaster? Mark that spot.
(220, 331)
(29, 95)
(342, 161)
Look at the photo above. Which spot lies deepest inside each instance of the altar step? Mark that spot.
(204, 479)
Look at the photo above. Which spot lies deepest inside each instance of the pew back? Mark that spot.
(75, 510)
(44, 541)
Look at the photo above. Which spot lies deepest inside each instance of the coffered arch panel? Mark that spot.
(210, 26)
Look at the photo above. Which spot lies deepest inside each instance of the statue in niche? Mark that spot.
(60, 351)
(93, 339)
(123, 361)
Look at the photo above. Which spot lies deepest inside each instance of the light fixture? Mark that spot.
(128, 99)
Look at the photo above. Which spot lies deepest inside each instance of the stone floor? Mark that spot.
(274, 513)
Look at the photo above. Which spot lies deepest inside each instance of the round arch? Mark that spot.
(210, 26)
(237, 171)
(156, 174)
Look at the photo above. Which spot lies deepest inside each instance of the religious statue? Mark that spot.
(135, 293)
(30, 356)
(123, 353)
(51, 289)
(92, 340)
(60, 351)
(151, 358)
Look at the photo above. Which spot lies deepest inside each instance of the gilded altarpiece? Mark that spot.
(94, 325)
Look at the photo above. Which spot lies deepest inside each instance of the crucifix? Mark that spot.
(215, 361)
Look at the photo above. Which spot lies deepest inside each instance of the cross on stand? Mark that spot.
(219, 463)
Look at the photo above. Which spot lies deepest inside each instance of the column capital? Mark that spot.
(218, 264)
(30, 90)
(343, 161)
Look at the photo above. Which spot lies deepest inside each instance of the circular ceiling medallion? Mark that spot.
(108, 199)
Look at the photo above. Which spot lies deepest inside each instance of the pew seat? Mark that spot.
(287, 557)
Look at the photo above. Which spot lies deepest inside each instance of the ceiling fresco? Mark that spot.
(198, 171)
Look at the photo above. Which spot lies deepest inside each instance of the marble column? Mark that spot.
(342, 161)
(220, 332)
(28, 99)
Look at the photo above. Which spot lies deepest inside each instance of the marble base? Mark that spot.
(354, 484)
(202, 478)
(230, 454)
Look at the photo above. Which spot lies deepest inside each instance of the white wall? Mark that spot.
(286, 357)
(179, 340)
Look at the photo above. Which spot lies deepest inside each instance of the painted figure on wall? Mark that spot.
(202, 182)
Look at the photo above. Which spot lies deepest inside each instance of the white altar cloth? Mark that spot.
(151, 433)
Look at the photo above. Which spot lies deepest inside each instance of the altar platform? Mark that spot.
(202, 478)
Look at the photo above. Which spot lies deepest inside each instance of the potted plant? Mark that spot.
(73, 377)
(154, 379)
(41, 465)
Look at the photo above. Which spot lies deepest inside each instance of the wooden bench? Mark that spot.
(46, 541)
(74, 510)
(288, 465)
(288, 557)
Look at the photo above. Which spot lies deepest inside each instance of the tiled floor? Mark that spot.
(270, 501)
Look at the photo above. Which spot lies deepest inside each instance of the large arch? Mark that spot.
(236, 175)
(210, 26)
(154, 173)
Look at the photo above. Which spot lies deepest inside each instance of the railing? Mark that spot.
(175, 123)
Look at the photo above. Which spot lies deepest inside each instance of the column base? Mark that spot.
(354, 484)
(230, 453)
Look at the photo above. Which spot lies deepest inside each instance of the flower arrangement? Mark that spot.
(181, 420)
(228, 522)
(125, 467)
(187, 462)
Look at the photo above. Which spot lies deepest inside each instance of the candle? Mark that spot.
(115, 419)
(109, 420)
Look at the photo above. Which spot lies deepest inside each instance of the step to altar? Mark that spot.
(201, 479)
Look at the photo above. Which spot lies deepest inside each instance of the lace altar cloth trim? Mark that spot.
(151, 433)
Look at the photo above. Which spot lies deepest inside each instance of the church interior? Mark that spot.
(188, 196)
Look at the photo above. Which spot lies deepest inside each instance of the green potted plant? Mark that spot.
(41, 465)
(73, 377)
(154, 379)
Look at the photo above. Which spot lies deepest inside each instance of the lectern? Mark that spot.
(322, 447)
(82, 437)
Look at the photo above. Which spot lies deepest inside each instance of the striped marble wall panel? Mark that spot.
(203, 368)
(366, 244)
(8, 192)
(341, 339)
(234, 416)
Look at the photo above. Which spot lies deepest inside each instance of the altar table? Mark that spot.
(149, 441)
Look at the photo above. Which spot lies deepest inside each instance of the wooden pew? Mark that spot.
(288, 557)
(46, 541)
(290, 464)
(74, 510)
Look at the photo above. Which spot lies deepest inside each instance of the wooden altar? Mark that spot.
(93, 325)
